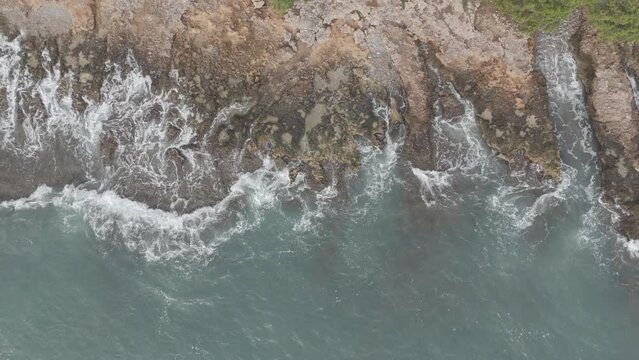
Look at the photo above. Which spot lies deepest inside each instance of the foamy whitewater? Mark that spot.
(464, 260)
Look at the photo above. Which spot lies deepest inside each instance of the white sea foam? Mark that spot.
(378, 164)
(135, 119)
(458, 144)
(546, 201)
(129, 117)
(435, 186)
(567, 103)
(627, 247)
(459, 152)
(161, 235)
(13, 80)
(635, 89)
(28, 130)
(316, 208)
(632, 248)
(579, 172)
(224, 115)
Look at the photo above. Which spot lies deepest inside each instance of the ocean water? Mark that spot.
(461, 261)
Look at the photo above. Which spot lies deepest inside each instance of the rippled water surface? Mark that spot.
(460, 261)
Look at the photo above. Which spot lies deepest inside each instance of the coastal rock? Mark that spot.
(46, 19)
(608, 70)
(325, 71)
(469, 42)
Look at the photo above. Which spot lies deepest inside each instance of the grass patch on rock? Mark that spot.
(616, 20)
(281, 6)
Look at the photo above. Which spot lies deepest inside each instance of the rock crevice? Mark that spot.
(302, 88)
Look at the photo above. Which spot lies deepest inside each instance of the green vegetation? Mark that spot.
(281, 6)
(615, 19)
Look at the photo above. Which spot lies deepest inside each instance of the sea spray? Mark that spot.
(150, 189)
(165, 172)
(459, 151)
(316, 207)
(635, 89)
(435, 186)
(15, 80)
(579, 187)
(225, 114)
(378, 163)
(135, 118)
(162, 235)
(139, 143)
(571, 128)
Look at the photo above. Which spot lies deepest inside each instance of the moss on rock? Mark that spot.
(616, 20)
(281, 6)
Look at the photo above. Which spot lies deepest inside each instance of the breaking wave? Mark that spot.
(141, 156)
(149, 171)
(137, 147)
(162, 235)
(459, 152)
(579, 170)
(379, 163)
(464, 163)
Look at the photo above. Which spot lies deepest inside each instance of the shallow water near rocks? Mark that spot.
(446, 263)
(406, 282)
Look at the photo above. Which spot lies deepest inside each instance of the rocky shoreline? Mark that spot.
(606, 70)
(304, 87)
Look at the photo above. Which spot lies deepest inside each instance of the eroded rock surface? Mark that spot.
(300, 88)
(484, 56)
(608, 71)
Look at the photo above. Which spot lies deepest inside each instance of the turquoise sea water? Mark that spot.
(406, 282)
(454, 262)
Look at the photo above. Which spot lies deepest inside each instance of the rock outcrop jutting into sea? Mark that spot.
(172, 103)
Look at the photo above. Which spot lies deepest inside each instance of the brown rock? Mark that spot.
(605, 72)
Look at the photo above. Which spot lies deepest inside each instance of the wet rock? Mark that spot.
(174, 154)
(468, 43)
(223, 138)
(603, 68)
(317, 77)
(172, 132)
(501, 125)
(108, 148)
(450, 106)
